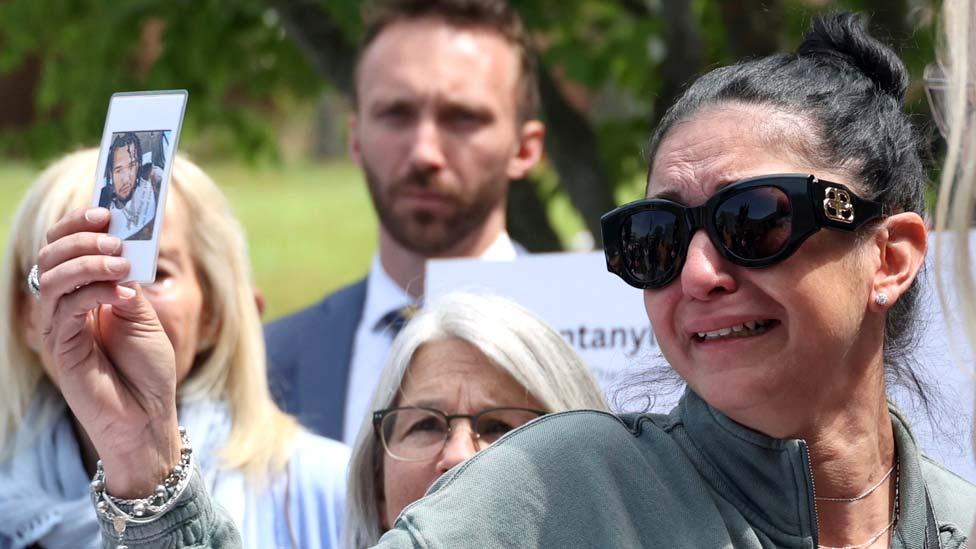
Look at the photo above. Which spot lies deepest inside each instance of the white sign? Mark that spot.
(599, 315)
(604, 320)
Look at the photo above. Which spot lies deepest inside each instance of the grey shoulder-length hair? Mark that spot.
(513, 339)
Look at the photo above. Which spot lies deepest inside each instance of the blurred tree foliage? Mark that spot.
(233, 57)
(609, 70)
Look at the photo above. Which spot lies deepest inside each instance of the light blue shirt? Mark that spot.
(315, 487)
(44, 488)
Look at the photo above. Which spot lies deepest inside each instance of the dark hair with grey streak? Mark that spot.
(493, 15)
(850, 88)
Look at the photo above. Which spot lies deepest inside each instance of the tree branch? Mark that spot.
(571, 145)
(317, 35)
(685, 54)
(528, 222)
(752, 26)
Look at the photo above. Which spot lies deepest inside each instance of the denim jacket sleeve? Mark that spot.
(196, 522)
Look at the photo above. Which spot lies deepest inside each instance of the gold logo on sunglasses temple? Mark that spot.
(838, 206)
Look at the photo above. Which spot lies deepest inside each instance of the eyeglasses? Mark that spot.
(413, 433)
(755, 222)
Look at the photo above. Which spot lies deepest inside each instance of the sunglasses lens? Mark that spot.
(649, 241)
(755, 224)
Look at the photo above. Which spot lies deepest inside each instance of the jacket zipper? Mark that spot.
(805, 450)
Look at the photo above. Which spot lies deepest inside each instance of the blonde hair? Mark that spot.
(232, 369)
(513, 339)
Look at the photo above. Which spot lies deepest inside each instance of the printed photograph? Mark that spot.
(132, 179)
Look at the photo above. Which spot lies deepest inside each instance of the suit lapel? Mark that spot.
(324, 378)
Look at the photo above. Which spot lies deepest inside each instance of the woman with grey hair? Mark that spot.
(464, 354)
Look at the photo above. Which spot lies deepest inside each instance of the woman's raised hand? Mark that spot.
(109, 353)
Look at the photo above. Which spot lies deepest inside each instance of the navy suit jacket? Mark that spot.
(309, 354)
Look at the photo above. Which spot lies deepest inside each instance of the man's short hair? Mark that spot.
(492, 15)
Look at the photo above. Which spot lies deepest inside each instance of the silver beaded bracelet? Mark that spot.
(121, 512)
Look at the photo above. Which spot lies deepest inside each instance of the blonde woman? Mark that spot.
(951, 84)
(281, 486)
(465, 356)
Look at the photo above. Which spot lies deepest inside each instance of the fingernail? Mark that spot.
(125, 292)
(116, 264)
(96, 215)
(108, 244)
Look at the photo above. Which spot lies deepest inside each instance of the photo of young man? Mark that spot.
(131, 190)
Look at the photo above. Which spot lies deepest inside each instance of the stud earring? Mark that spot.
(881, 298)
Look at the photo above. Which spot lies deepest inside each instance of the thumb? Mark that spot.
(129, 329)
(132, 305)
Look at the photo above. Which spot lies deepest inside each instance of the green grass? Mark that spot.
(311, 227)
(14, 181)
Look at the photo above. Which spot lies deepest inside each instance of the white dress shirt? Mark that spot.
(371, 345)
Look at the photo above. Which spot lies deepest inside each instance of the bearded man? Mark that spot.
(444, 120)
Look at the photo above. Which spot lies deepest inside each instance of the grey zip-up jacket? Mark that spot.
(692, 478)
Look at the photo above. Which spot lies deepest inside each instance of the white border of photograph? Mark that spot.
(143, 112)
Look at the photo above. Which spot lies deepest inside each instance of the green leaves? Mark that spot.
(610, 58)
(233, 57)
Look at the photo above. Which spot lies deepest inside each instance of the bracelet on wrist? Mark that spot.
(121, 512)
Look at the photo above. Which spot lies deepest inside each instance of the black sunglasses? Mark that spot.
(755, 222)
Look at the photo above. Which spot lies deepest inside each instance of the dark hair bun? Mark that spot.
(842, 37)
